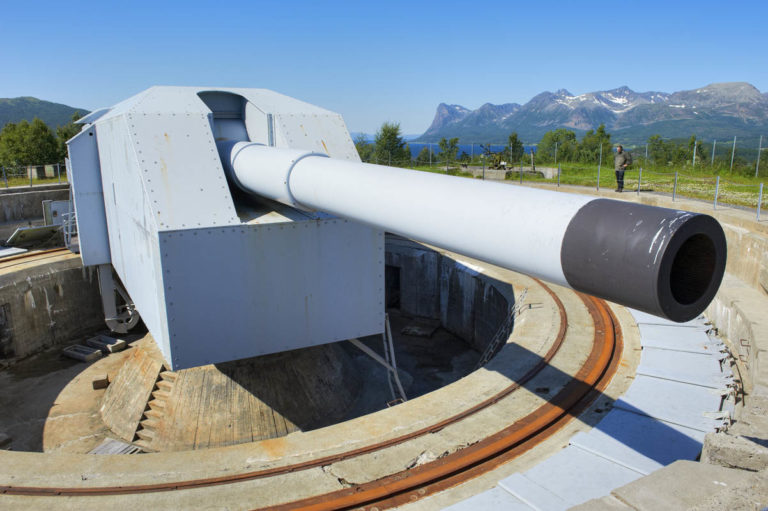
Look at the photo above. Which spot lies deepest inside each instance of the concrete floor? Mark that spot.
(50, 406)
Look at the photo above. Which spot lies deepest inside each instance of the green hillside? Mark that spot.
(18, 109)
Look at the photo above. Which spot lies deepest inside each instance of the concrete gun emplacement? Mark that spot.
(241, 222)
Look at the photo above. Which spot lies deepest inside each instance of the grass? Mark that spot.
(733, 189)
(24, 181)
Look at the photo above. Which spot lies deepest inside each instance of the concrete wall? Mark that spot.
(22, 206)
(47, 304)
(468, 304)
(26, 203)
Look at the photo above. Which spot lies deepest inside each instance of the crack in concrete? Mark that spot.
(328, 469)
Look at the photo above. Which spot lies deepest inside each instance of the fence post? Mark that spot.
(5, 177)
(759, 150)
(639, 179)
(733, 153)
(759, 201)
(695, 145)
(674, 188)
(521, 174)
(717, 190)
(30, 175)
(714, 144)
(58, 172)
(558, 175)
(599, 163)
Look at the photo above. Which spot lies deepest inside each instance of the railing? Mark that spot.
(33, 175)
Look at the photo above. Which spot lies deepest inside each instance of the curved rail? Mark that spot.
(445, 472)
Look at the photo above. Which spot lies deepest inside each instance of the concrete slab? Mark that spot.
(573, 475)
(674, 338)
(495, 498)
(640, 443)
(649, 319)
(670, 401)
(533, 494)
(681, 485)
(732, 451)
(694, 368)
(609, 503)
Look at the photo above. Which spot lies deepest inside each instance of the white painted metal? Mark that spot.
(88, 197)
(268, 169)
(236, 292)
(233, 288)
(461, 215)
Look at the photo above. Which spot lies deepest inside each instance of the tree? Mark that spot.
(657, 150)
(28, 144)
(423, 158)
(562, 140)
(41, 143)
(448, 149)
(65, 132)
(589, 149)
(389, 146)
(12, 147)
(364, 148)
(515, 148)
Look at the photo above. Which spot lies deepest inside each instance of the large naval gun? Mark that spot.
(241, 222)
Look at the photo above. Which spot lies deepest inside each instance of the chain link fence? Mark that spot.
(33, 175)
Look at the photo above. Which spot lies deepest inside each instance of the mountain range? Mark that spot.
(27, 108)
(719, 110)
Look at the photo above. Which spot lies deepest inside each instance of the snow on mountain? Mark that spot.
(620, 108)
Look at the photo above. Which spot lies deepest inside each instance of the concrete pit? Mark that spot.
(442, 314)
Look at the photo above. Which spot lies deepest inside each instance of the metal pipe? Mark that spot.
(639, 179)
(733, 153)
(714, 145)
(663, 261)
(759, 150)
(558, 175)
(759, 201)
(5, 177)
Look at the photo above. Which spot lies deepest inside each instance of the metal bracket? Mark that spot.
(389, 354)
(119, 318)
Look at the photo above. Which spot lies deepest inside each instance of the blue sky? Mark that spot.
(378, 61)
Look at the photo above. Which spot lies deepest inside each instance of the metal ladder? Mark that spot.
(500, 337)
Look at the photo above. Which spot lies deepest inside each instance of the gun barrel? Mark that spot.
(662, 261)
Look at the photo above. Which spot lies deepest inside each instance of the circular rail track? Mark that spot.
(431, 477)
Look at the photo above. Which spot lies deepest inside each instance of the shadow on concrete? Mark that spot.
(628, 425)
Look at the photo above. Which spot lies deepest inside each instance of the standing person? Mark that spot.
(620, 163)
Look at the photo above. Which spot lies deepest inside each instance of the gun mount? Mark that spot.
(242, 222)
